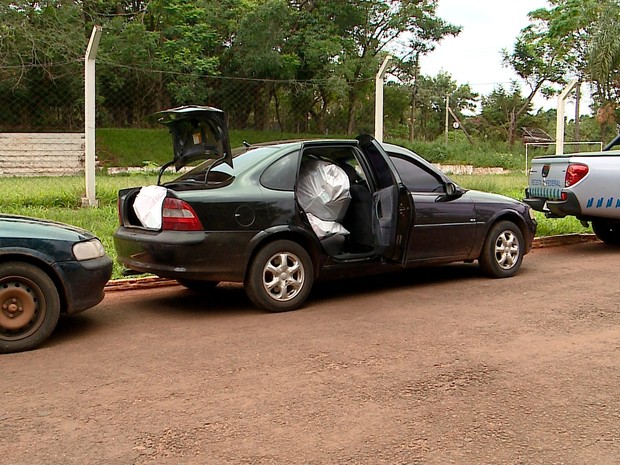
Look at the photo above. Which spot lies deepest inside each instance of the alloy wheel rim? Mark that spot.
(283, 276)
(507, 250)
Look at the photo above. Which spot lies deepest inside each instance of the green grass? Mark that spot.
(138, 147)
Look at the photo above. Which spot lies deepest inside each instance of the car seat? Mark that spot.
(358, 218)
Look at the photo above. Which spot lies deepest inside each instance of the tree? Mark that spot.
(604, 64)
(581, 39)
(40, 64)
(538, 59)
(375, 26)
(504, 110)
(431, 103)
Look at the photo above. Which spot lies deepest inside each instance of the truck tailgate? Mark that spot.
(546, 177)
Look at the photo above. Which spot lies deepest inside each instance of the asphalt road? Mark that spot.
(434, 366)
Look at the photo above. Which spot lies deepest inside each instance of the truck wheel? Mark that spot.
(607, 231)
(280, 277)
(29, 307)
(502, 252)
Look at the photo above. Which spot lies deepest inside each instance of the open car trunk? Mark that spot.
(198, 133)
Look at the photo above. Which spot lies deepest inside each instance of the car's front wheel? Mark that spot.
(29, 307)
(280, 277)
(607, 231)
(502, 252)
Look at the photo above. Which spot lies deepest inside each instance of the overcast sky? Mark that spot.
(474, 56)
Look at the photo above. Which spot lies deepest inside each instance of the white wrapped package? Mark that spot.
(148, 206)
(325, 229)
(323, 190)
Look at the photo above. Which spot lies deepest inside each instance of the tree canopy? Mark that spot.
(288, 65)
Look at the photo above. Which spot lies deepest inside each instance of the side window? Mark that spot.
(416, 178)
(281, 174)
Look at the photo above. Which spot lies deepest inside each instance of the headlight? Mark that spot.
(88, 250)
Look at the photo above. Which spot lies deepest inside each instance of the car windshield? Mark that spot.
(223, 173)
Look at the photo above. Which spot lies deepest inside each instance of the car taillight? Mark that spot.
(575, 173)
(179, 216)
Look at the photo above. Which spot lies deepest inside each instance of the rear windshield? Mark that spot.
(224, 174)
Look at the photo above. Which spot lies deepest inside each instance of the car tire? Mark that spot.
(198, 286)
(29, 307)
(280, 277)
(503, 249)
(607, 231)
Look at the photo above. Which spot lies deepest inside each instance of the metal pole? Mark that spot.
(89, 117)
(447, 118)
(559, 128)
(379, 99)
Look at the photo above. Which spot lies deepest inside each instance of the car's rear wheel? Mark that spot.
(280, 277)
(197, 285)
(29, 307)
(503, 249)
(607, 231)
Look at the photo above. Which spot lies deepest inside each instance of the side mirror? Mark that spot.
(453, 190)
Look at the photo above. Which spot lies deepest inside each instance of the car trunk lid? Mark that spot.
(198, 133)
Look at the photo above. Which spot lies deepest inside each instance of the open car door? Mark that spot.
(391, 208)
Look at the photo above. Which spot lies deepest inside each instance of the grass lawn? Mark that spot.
(59, 199)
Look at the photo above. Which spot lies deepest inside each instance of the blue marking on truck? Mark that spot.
(590, 202)
(610, 202)
(599, 203)
(618, 203)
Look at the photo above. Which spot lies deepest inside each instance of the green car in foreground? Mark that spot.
(47, 269)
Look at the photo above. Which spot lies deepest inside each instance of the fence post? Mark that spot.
(559, 128)
(379, 99)
(89, 117)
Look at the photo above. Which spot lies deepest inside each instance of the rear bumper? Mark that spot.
(555, 208)
(215, 256)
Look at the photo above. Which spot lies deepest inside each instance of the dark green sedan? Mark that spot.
(47, 269)
(279, 216)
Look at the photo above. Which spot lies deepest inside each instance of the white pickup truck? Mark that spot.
(584, 185)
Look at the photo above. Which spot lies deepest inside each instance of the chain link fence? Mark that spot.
(50, 98)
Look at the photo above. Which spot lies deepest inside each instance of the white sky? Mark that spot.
(474, 56)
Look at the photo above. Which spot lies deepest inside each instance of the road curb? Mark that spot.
(154, 282)
(563, 239)
(138, 283)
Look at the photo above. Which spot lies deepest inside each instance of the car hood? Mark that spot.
(488, 197)
(198, 133)
(12, 226)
